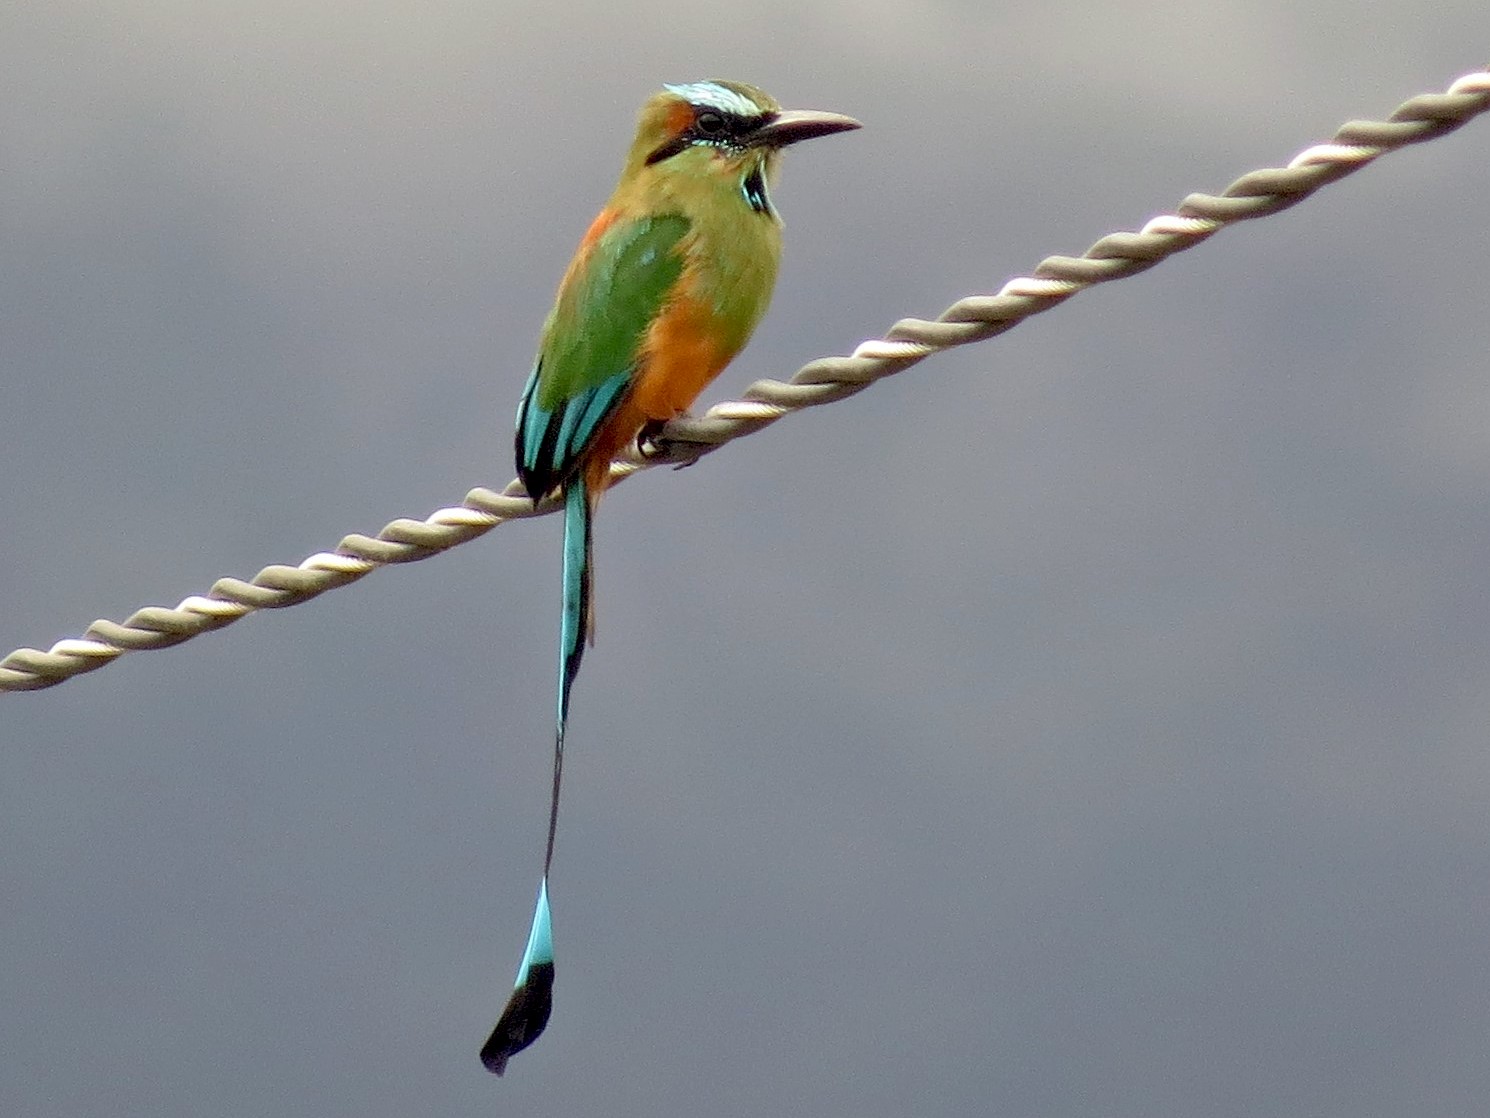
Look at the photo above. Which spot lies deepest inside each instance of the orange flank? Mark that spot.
(681, 354)
(603, 221)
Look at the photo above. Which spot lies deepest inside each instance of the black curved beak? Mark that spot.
(791, 125)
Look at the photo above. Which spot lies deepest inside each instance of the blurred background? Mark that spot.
(1092, 721)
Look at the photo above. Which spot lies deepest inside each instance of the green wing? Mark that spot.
(587, 355)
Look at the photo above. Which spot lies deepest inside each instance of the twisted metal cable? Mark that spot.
(823, 381)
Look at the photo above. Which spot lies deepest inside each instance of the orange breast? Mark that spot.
(683, 352)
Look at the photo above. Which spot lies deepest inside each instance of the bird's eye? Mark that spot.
(710, 123)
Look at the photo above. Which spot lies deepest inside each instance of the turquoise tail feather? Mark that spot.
(574, 626)
(527, 1011)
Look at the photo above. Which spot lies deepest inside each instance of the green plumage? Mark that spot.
(588, 351)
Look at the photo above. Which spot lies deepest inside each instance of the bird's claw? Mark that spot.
(652, 445)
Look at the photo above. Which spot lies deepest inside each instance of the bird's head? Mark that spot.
(722, 131)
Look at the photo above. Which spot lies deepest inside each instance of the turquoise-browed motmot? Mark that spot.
(667, 285)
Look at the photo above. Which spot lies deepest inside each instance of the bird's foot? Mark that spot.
(653, 446)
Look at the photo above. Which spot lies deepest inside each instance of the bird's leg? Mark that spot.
(652, 445)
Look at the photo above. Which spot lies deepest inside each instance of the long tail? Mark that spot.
(528, 1009)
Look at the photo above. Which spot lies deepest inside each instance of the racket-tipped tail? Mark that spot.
(527, 1010)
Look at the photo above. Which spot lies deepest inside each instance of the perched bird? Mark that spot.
(667, 286)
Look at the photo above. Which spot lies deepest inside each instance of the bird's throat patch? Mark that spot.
(753, 187)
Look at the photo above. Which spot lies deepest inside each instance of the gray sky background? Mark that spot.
(1091, 722)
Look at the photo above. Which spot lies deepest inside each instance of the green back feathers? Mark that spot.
(588, 352)
(603, 313)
